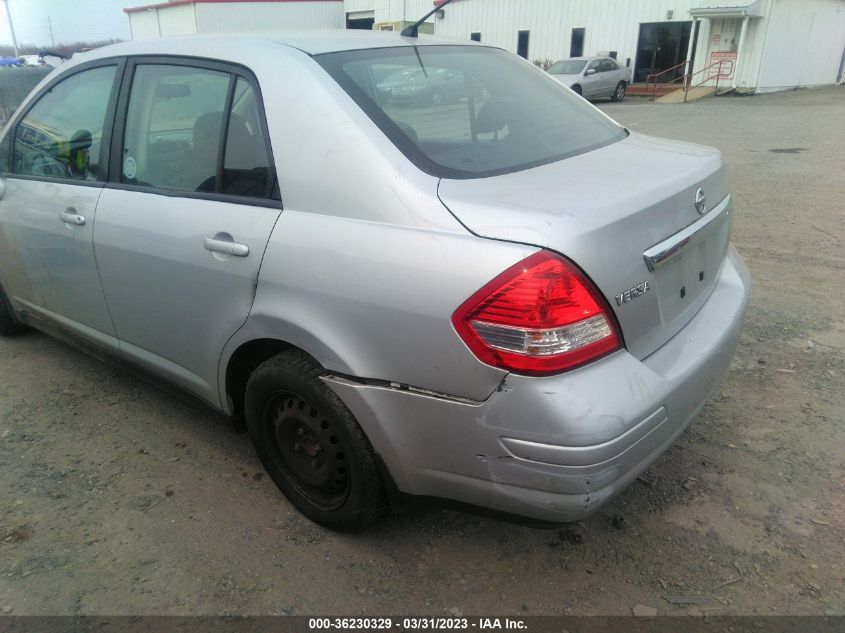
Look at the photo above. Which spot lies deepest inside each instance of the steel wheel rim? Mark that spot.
(620, 92)
(307, 448)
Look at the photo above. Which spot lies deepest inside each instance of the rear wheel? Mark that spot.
(9, 325)
(577, 90)
(619, 93)
(311, 445)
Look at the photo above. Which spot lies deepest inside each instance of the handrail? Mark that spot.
(654, 77)
(689, 85)
(687, 77)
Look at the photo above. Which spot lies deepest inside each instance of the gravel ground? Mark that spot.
(116, 499)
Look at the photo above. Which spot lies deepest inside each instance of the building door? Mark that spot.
(576, 43)
(522, 44)
(359, 23)
(722, 50)
(661, 45)
(363, 20)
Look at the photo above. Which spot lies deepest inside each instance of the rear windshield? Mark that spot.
(568, 67)
(469, 111)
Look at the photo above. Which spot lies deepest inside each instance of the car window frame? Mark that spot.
(589, 66)
(273, 198)
(108, 123)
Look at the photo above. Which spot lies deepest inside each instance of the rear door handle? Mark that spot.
(225, 244)
(72, 217)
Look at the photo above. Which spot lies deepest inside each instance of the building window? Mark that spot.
(475, 37)
(576, 44)
(522, 44)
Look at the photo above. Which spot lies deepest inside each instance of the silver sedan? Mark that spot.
(511, 302)
(593, 77)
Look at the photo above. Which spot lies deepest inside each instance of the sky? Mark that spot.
(73, 20)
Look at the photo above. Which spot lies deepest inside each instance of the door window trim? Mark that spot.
(108, 123)
(273, 197)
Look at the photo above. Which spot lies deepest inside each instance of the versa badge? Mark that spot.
(633, 293)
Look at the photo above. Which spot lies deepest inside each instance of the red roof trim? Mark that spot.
(176, 3)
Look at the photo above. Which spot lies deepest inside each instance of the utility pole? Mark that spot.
(50, 29)
(11, 28)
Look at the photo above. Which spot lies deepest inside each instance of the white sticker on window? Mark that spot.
(130, 168)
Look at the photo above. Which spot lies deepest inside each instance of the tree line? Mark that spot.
(65, 50)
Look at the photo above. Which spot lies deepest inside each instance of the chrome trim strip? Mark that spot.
(664, 252)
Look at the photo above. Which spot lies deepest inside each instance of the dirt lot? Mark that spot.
(116, 499)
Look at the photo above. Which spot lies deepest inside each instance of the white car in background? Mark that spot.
(593, 77)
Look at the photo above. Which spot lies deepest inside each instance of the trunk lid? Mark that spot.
(625, 214)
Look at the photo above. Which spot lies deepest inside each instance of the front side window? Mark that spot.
(469, 111)
(61, 135)
(595, 65)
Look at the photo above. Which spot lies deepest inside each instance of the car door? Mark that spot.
(183, 225)
(56, 152)
(612, 76)
(592, 80)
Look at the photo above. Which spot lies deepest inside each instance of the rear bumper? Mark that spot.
(556, 448)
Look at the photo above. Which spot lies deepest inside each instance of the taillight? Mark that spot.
(541, 316)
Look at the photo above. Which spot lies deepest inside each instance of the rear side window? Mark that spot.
(246, 167)
(174, 127)
(469, 111)
(195, 130)
(61, 135)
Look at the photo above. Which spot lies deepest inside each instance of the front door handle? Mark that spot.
(72, 217)
(225, 244)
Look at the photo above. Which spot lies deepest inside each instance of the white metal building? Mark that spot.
(190, 17)
(763, 44)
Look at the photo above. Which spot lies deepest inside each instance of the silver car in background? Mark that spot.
(593, 77)
(508, 301)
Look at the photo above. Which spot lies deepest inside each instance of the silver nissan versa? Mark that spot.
(503, 298)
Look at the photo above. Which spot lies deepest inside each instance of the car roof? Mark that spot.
(581, 59)
(311, 42)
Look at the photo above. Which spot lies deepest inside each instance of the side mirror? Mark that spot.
(590, 71)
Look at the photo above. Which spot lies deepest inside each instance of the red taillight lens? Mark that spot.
(541, 316)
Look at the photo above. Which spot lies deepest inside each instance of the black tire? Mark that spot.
(577, 90)
(311, 445)
(619, 92)
(9, 325)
